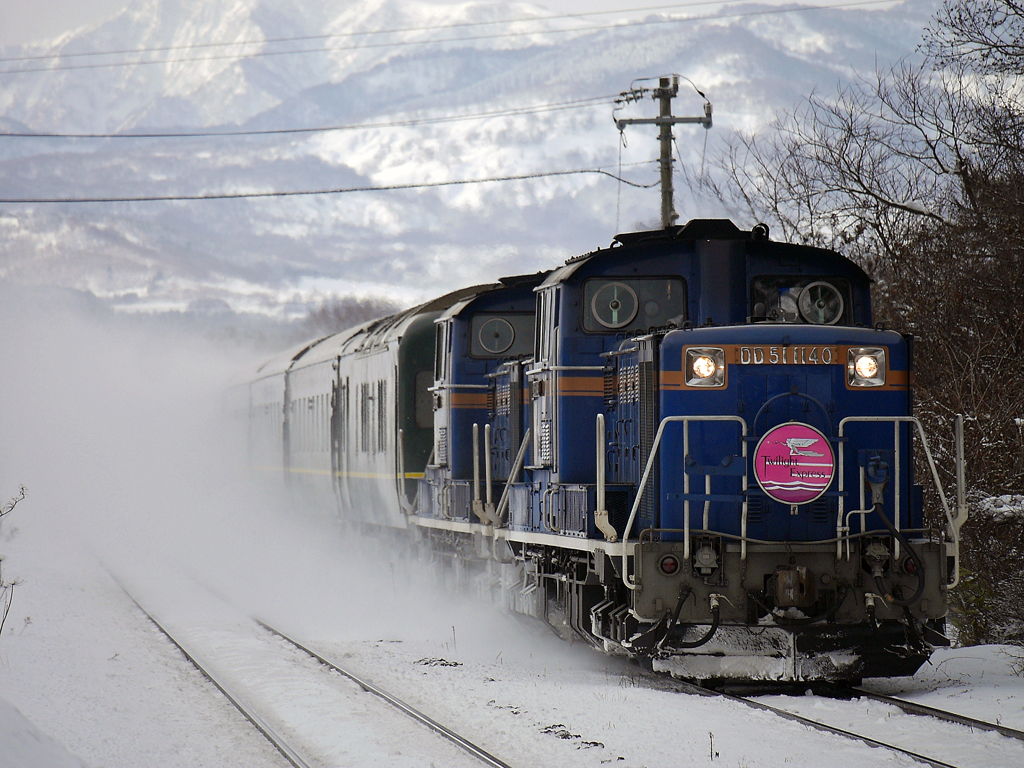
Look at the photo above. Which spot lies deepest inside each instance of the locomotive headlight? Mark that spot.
(865, 367)
(705, 367)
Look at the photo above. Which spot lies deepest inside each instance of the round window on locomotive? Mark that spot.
(820, 303)
(614, 305)
(496, 335)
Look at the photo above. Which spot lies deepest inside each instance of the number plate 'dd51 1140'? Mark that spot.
(786, 355)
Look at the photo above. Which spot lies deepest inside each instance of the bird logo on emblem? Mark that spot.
(797, 446)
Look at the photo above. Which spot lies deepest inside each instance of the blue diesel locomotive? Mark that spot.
(691, 447)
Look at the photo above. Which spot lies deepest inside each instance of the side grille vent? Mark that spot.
(574, 517)
(442, 447)
(821, 510)
(755, 509)
(609, 387)
(545, 443)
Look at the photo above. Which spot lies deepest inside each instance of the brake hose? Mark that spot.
(715, 616)
(918, 563)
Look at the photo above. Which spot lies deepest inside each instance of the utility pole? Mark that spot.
(667, 90)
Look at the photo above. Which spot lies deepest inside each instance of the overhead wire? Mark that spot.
(464, 39)
(531, 109)
(413, 121)
(336, 191)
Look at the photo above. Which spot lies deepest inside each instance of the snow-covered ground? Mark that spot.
(81, 667)
(114, 431)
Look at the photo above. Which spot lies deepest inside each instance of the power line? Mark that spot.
(510, 112)
(309, 192)
(473, 38)
(363, 33)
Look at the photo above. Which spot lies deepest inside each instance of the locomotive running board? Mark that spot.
(619, 549)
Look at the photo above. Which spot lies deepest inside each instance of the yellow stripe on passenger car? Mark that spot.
(328, 473)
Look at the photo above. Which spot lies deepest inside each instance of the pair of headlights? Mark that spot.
(705, 367)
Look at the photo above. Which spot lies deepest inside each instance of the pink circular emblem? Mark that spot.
(794, 463)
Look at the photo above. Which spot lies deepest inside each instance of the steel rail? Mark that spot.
(290, 754)
(459, 741)
(817, 725)
(912, 708)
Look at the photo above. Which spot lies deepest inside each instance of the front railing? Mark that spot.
(685, 421)
(952, 523)
(843, 534)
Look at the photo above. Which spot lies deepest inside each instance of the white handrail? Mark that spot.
(403, 500)
(517, 467)
(489, 493)
(476, 462)
(601, 513)
(641, 488)
(954, 524)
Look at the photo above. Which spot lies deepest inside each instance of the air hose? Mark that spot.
(826, 615)
(715, 617)
(878, 472)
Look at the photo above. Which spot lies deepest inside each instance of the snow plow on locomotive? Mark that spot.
(692, 446)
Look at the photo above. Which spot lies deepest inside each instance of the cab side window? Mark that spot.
(632, 304)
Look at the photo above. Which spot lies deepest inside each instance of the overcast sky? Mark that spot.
(29, 21)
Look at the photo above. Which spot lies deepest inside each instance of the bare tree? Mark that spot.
(344, 312)
(918, 174)
(989, 33)
(9, 506)
(7, 587)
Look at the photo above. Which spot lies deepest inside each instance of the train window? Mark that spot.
(547, 323)
(341, 414)
(792, 299)
(612, 304)
(424, 407)
(439, 352)
(364, 418)
(541, 337)
(382, 415)
(500, 336)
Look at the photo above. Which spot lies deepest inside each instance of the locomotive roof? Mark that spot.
(516, 281)
(282, 361)
(702, 230)
(366, 336)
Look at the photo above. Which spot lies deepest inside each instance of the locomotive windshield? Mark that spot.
(792, 299)
(500, 336)
(611, 304)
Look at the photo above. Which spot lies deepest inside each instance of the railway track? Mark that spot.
(271, 734)
(913, 708)
(460, 741)
(288, 746)
(995, 754)
(840, 712)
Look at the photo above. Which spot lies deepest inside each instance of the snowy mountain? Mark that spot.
(277, 255)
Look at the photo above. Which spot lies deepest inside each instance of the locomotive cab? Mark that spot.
(476, 339)
(755, 446)
(779, 490)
